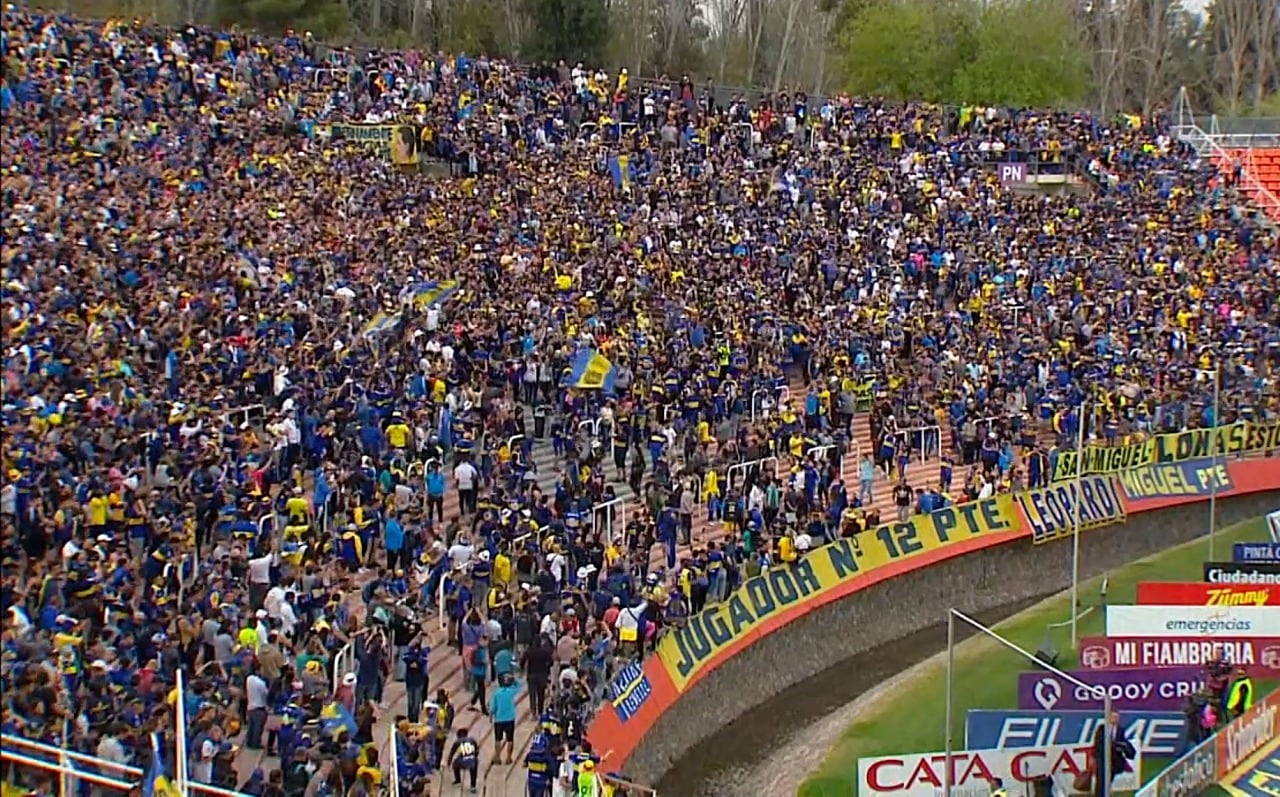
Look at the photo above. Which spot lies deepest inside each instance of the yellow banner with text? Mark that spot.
(768, 600)
(1052, 512)
(1225, 441)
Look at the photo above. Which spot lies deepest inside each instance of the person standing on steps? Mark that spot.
(537, 662)
(503, 707)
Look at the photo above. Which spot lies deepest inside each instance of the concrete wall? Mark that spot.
(975, 582)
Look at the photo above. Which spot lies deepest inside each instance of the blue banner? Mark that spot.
(1154, 733)
(1255, 552)
(629, 690)
(1199, 477)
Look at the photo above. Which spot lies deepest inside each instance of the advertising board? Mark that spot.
(1242, 572)
(1261, 657)
(1155, 733)
(1194, 621)
(1199, 593)
(1188, 776)
(1248, 733)
(924, 774)
(1255, 552)
(1151, 689)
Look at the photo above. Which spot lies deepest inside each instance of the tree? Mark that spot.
(908, 49)
(1027, 54)
(573, 30)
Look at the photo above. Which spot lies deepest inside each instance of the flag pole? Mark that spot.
(1075, 527)
(1213, 452)
(180, 737)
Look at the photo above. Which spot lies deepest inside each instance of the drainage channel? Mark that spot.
(721, 765)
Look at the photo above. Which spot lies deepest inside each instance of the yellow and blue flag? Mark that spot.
(335, 717)
(425, 294)
(382, 322)
(156, 782)
(591, 370)
(620, 170)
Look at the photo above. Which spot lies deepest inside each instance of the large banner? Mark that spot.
(1201, 621)
(1261, 657)
(1206, 444)
(1155, 733)
(688, 652)
(1197, 477)
(924, 774)
(401, 142)
(1052, 511)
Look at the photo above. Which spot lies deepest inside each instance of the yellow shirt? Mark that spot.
(98, 511)
(398, 435)
(296, 507)
(248, 637)
(502, 569)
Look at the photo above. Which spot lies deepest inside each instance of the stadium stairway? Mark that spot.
(1263, 164)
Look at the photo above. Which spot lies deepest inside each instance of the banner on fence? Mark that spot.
(1052, 511)
(1239, 438)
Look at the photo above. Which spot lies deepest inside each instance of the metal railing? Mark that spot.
(343, 663)
(821, 454)
(746, 468)
(591, 424)
(613, 510)
(71, 766)
(925, 440)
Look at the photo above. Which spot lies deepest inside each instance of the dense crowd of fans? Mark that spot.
(247, 358)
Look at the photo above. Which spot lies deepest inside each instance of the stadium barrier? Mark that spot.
(783, 594)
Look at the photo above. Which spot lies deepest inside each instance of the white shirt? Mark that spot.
(288, 620)
(557, 564)
(260, 569)
(465, 476)
(255, 688)
(460, 554)
(272, 601)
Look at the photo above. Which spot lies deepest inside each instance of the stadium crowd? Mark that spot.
(220, 307)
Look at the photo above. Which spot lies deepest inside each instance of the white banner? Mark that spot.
(1193, 621)
(922, 774)
(1273, 522)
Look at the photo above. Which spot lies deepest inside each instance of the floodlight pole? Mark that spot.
(1075, 533)
(1213, 452)
(955, 614)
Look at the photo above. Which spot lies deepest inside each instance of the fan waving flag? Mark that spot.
(592, 371)
(620, 170)
(335, 717)
(156, 782)
(425, 294)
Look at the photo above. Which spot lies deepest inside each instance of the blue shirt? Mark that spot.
(393, 533)
(503, 702)
(435, 483)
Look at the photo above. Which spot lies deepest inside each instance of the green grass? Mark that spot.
(986, 672)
